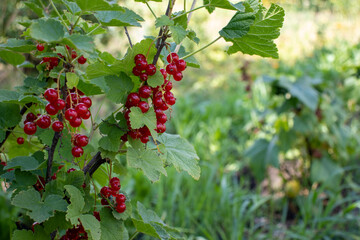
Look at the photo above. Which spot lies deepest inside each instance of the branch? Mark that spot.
(128, 36)
(94, 164)
(8, 132)
(51, 155)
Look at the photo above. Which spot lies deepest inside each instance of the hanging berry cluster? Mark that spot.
(75, 233)
(112, 197)
(160, 97)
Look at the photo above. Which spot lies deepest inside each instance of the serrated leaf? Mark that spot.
(24, 163)
(109, 144)
(147, 160)
(178, 33)
(11, 57)
(74, 210)
(148, 215)
(164, 20)
(155, 80)
(8, 96)
(9, 115)
(39, 211)
(22, 180)
(260, 38)
(119, 87)
(19, 45)
(23, 234)
(224, 4)
(117, 18)
(239, 25)
(81, 42)
(97, 70)
(112, 228)
(97, 5)
(72, 6)
(72, 80)
(92, 225)
(47, 30)
(192, 36)
(181, 154)
(139, 119)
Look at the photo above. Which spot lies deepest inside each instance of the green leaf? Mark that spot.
(110, 144)
(148, 215)
(97, 5)
(260, 38)
(88, 88)
(9, 115)
(261, 154)
(97, 70)
(72, 80)
(147, 160)
(119, 87)
(24, 163)
(39, 211)
(225, 4)
(8, 96)
(72, 7)
(181, 154)
(19, 45)
(139, 119)
(11, 57)
(326, 172)
(22, 180)
(74, 210)
(178, 33)
(47, 30)
(192, 36)
(112, 228)
(114, 130)
(57, 222)
(23, 234)
(35, 7)
(125, 215)
(92, 225)
(164, 20)
(302, 90)
(81, 42)
(117, 18)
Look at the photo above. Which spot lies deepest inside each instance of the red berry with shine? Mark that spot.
(60, 104)
(144, 139)
(76, 122)
(150, 69)
(181, 65)
(160, 128)
(57, 126)
(172, 57)
(30, 128)
(51, 95)
(139, 57)
(73, 54)
(105, 192)
(31, 117)
(51, 109)
(171, 68)
(162, 119)
(120, 208)
(72, 98)
(20, 140)
(40, 47)
(115, 184)
(178, 76)
(81, 140)
(136, 71)
(141, 64)
(163, 72)
(133, 99)
(82, 60)
(144, 106)
(86, 115)
(120, 198)
(104, 202)
(77, 151)
(87, 101)
(145, 91)
(44, 121)
(81, 109)
(171, 101)
(158, 101)
(71, 114)
(144, 77)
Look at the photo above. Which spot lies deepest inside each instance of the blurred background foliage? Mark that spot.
(278, 139)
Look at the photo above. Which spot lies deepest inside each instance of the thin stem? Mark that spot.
(192, 10)
(188, 20)
(134, 235)
(128, 36)
(199, 50)
(94, 29)
(184, 5)
(73, 26)
(147, 4)
(57, 12)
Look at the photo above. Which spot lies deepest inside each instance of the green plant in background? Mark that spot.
(65, 183)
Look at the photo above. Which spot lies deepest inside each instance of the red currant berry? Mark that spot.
(74, 55)
(141, 64)
(171, 68)
(136, 71)
(135, 134)
(144, 131)
(168, 95)
(168, 86)
(164, 107)
(158, 94)
(31, 117)
(105, 192)
(71, 170)
(81, 109)
(181, 65)
(54, 61)
(70, 114)
(60, 104)
(145, 91)
(162, 119)
(51, 95)
(81, 140)
(144, 106)
(20, 140)
(124, 138)
(120, 208)
(77, 151)
(178, 76)
(30, 128)
(87, 101)
(144, 139)
(86, 115)
(120, 198)
(51, 109)
(74, 99)
(115, 184)
(44, 122)
(76, 122)
(97, 215)
(139, 57)
(171, 101)
(40, 47)
(172, 57)
(57, 126)
(158, 112)
(67, 47)
(104, 202)
(150, 69)
(163, 72)
(53, 177)
(82, 60)
(143, 77)
(158, 101)
(133, 99)
(160, 128)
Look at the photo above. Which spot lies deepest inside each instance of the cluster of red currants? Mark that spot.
(79, 141)
(76, 233)
(162, 97)
(112, 197)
